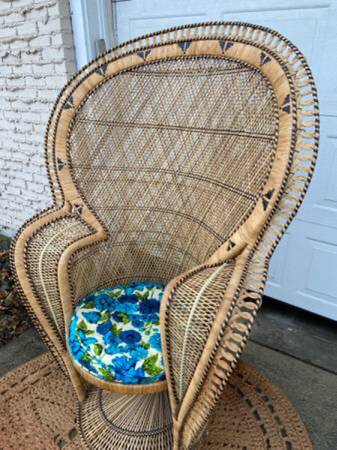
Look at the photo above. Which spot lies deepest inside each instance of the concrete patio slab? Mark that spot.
(311, 390)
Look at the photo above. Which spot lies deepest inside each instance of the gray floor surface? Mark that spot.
(295, 350)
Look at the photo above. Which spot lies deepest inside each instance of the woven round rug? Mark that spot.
(38, 411)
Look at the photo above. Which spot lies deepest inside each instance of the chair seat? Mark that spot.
(114, 334)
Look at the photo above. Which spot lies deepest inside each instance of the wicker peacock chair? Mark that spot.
(176, 159)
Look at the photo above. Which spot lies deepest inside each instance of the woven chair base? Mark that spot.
(251, 414)
(125, 422)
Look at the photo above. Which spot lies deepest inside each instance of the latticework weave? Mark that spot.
(171, 156)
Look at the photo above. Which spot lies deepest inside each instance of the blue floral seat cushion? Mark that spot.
(114, 334)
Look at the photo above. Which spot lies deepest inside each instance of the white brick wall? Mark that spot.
(36, 58)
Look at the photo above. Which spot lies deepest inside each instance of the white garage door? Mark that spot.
(304, 267)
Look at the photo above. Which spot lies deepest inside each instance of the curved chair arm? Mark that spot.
(194, 414)
(196, 310)
(39, 255)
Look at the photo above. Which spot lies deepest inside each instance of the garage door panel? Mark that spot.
(319, 280)
(140, 26)
(136, 18)
(308, 272)
(316, 304)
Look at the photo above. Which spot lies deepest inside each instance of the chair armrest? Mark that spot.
(38, 249)
(36, 254)
(203, 312)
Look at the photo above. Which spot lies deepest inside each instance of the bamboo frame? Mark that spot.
(250, 246)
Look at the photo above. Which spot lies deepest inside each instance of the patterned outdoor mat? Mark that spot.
(38, 409)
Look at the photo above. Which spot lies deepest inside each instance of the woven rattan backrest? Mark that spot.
(197, 142)
(172, 156)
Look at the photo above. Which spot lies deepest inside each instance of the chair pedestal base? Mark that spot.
(112, 421)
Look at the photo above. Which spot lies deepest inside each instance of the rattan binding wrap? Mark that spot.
(186, 151)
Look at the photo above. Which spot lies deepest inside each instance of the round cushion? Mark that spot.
(114, 334)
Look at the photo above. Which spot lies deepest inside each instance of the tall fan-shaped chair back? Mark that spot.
(178, 158)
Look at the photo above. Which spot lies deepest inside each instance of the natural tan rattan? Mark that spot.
(178, 157)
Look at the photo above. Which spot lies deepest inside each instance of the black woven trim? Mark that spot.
(221, 132)
(175, 174)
